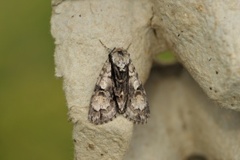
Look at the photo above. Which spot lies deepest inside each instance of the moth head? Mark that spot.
(120, 58)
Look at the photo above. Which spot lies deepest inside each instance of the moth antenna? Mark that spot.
(108, 49)
(129, 46)
(103, 44)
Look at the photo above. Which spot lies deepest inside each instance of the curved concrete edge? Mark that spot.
(205, 38)
(77, 27)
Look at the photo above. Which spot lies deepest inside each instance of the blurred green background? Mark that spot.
(33, 112)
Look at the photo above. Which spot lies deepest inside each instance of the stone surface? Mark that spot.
(184, 122)
(204, 35)
(77, 27)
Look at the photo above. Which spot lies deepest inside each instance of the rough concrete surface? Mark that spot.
(184, 122)
(77, 27)
(204, 36)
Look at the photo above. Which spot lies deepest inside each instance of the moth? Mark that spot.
(118, 90)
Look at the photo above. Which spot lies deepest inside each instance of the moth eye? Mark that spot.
(120, 52)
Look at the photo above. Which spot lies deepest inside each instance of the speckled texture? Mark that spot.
(184, 122)
(204, 36)
(77, 27)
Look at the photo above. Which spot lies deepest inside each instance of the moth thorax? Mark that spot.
(121, 59)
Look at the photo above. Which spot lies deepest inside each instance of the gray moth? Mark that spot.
(118, 90)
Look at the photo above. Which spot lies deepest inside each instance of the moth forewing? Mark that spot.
(102, 105)
(137, 108)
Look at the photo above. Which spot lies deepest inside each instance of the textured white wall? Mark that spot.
(204, 36)
(184, 122)
(77, 27)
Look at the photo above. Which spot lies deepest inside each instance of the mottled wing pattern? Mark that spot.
(137, 108)
(102, 106)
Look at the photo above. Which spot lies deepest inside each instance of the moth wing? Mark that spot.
(137, 108)
(102, 105)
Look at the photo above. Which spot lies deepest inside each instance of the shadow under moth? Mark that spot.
(118, 90)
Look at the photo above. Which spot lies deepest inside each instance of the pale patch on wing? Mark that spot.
(137, 108)
(102, 106)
